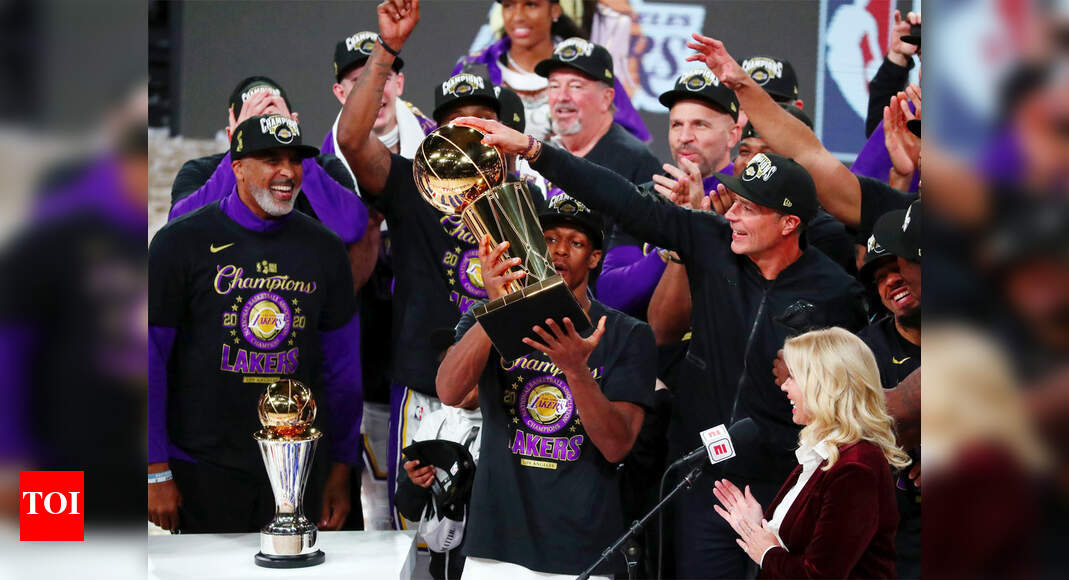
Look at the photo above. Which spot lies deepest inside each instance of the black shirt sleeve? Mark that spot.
(193, 175)
(167, 276)
(890, 78)
(633, 375)
(642, 215)
(878, 198)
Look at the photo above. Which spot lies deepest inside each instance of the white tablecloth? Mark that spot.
(372, 554)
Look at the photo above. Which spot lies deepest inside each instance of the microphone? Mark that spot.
(716, 445)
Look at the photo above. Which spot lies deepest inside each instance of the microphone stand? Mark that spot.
(636, 526)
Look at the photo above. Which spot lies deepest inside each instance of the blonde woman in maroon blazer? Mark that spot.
(835, 516)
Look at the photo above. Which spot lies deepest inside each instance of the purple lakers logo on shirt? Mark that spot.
(470, 273)
(265, 320)
(546, 404)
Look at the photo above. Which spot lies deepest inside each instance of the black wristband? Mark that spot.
(387, 48)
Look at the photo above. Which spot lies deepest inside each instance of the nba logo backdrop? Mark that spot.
(854, 35)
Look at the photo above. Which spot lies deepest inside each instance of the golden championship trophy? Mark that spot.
(288, 444)
(458, 174)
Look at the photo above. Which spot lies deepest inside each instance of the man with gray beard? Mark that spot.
(581, 112)
(242, 292)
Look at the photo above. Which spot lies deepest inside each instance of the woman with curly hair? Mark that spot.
(835, 516)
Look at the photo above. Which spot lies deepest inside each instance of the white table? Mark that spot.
(372, 554)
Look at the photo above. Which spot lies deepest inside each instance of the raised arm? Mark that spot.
(365, 154)
(837, 188)
(641, 215)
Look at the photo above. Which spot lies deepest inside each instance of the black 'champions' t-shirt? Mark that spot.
(248, 307)
(544, 496)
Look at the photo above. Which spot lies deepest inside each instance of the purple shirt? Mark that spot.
(336, 206)
(341, 368)
(626, 115)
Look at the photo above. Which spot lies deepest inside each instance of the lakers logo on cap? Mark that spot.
(463, 84)
(567, 205)
(363, 42)
(573, 48)
(698, 79)
(760, 167)
(282, 128)
(762, 69)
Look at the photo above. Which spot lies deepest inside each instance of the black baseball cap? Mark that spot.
(773, 74)
(513, 114)
(464, 88)
(584, 56)
(899, 231)
(748, 131)
(249, 86)
(776, 182)
(265, 132)
(565, 210)
(914, 36)
(702, 84)
(354, 51)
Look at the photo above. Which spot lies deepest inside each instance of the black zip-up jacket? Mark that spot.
(735, 335)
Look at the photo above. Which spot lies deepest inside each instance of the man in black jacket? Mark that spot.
(746, 269)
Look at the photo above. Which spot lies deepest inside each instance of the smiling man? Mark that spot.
(549, 500)
(235, 303)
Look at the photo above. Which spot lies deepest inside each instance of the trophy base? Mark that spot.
(508, 320)
(299, 561)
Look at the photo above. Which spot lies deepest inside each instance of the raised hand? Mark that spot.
(497, 278)
(261, 103)
(564, 346)
(712, 52)
(902, 145)
(899, 52)
(397, 18)
(505, 138)
(684, 187)
(719, 200)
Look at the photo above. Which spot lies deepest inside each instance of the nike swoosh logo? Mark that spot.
(215, 248)
(898, 362)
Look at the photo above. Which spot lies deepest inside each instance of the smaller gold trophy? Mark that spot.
(288, 443)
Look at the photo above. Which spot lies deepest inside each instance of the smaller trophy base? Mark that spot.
(301, 561)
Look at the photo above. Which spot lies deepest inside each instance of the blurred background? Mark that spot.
(101, 102)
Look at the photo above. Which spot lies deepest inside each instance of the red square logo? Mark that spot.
(51, 506)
